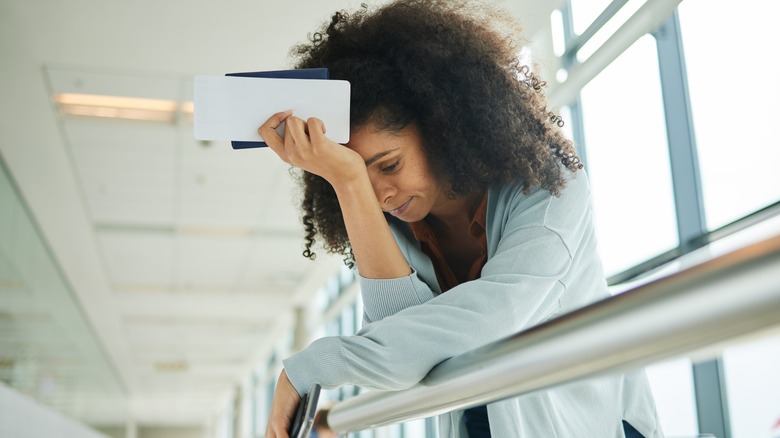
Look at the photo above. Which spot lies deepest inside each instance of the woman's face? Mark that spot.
(399, 172)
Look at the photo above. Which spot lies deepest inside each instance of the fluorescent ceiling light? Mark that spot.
(120, 107)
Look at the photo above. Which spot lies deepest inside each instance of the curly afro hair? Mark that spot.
(452, 69)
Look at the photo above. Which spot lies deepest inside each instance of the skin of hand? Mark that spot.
(305, 146)
(286, 399)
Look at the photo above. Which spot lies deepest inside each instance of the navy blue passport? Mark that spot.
(306, 73)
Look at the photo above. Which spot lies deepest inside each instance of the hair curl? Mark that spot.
(448, 67)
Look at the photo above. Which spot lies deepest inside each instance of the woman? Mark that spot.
(463, 209)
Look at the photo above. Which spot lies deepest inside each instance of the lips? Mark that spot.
(400, 210)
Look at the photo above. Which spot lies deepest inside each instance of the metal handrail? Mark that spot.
(694, 311)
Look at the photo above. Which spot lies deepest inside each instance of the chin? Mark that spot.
(408, 218)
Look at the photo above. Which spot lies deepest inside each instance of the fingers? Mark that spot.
(303, 141)
(276, 431)
(296, 132)
(316, 130)
(268, 129)
(281, 121)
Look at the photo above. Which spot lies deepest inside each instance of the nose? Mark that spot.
(384, 190)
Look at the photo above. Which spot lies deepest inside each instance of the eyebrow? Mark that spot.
(378, 156)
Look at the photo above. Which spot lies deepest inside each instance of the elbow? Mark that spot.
(396, 381)
(388, 374)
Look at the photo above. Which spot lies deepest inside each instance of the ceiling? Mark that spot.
(144, 273)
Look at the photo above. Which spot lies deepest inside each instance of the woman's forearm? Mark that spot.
(376, 252)
(305, 145)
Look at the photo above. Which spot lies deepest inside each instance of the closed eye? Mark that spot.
(391, 167)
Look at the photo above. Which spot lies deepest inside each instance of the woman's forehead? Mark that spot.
(369, 140)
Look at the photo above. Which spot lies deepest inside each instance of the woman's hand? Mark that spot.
(305, 145)
(285, 404)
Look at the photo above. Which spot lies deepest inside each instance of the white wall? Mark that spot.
(23, 417)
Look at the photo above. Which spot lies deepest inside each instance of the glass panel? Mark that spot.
(734, 99)
(753, 388)
(672, 386)
(270, 388)
(348, 321)
(628, 159)
(415, 429)
(48, 349)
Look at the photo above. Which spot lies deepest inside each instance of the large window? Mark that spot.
(727, 73)
(628, 164)
(735, 99)
(628, 159)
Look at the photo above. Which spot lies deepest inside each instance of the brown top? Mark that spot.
(430, 245)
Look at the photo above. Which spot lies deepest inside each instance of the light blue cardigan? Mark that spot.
(542, 262)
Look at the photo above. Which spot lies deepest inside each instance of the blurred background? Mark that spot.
(150, 283)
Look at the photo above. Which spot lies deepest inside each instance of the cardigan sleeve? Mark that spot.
(520, 286)
(383, 298)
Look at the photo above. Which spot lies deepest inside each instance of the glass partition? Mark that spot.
(48, 349)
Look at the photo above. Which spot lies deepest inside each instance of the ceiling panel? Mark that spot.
(200, 390)
(138, 258)
(283, 216)
(210, 262)
(275, 260)
(141, 141)
(154, 330)
(283, 207)
(127, 169)
(220, 185)
(204, 354)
